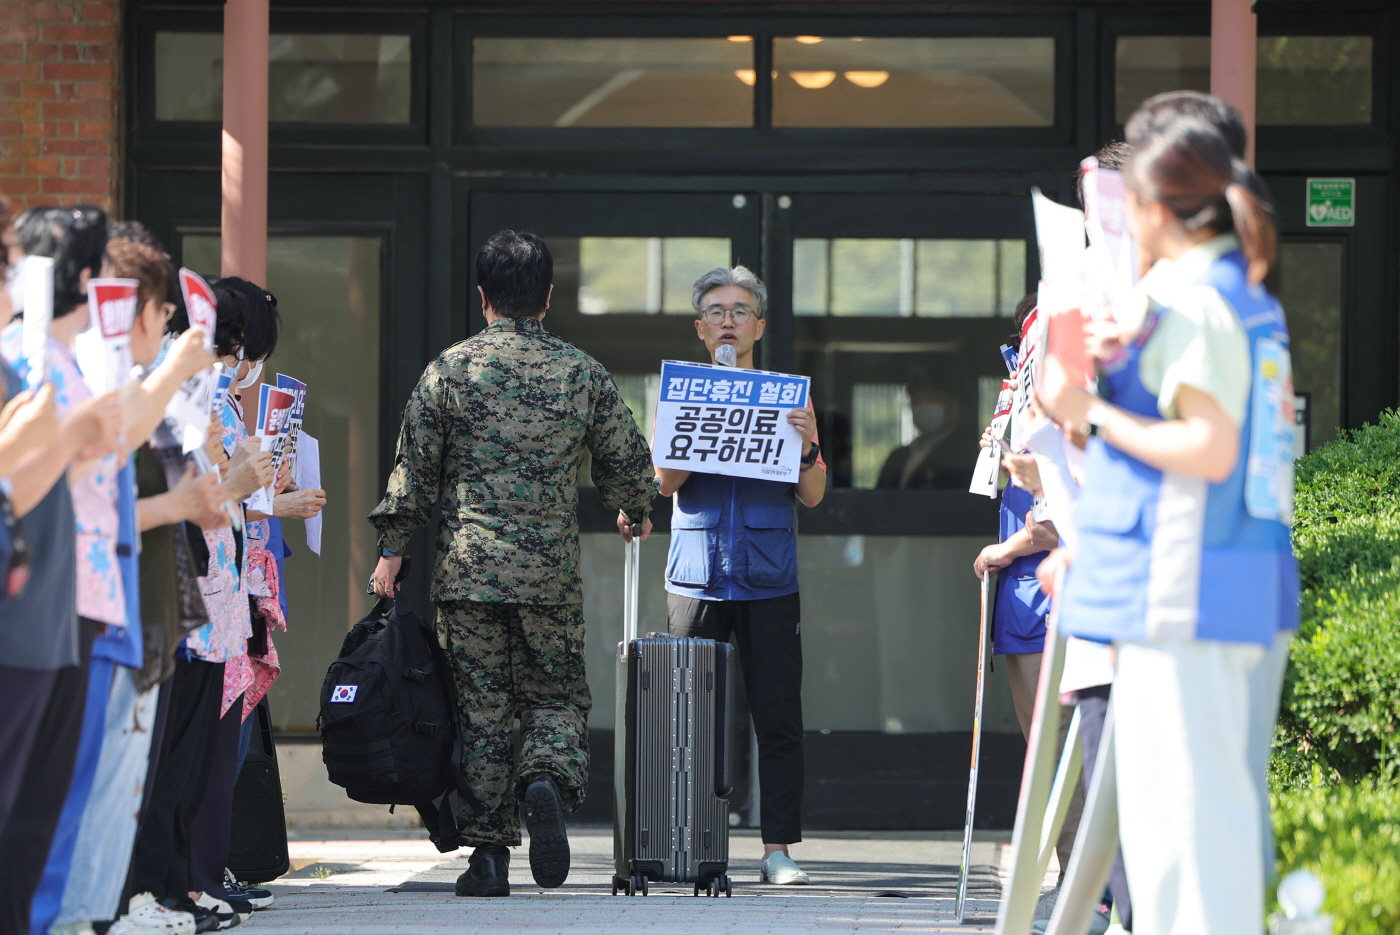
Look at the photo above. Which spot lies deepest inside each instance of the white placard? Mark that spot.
(308, 477)
(36, 279)
(988, 468)
(188, 411)
(719, 420)
(104, 349)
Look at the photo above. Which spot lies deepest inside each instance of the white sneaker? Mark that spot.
(778, 868)
(145, 916)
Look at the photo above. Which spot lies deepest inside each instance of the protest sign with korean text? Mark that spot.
(104, 349)
(298, 391)
(987, 470)
(719, 420)
(274, 416)
(187, 413)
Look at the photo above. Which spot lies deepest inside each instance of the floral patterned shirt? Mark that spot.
(225, 636)
(100, 593)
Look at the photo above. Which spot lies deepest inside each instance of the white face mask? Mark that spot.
(254, 375)
(929, 418)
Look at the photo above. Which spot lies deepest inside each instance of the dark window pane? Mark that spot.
(908, 278)
(916, 82)
(612, 82)
(312, 78)
(1302, 80)
(1310, 288)
(1314, 80)
(189, 76)
(644, 274)
(1148, 65)
(900, 338)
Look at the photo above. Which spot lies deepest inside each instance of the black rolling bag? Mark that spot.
(672, 764)
(257, 849)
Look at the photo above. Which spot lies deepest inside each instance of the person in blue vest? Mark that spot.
(1184, 559)
(732, 569)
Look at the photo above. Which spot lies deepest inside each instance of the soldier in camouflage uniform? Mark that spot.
(493, 435)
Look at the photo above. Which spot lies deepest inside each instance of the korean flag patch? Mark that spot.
(344, 694)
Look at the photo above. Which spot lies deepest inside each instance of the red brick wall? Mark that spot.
(58, 102)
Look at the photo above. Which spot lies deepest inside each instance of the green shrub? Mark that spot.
(1341, 705)
(1349, 835)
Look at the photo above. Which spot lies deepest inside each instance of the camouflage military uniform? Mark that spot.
(493, 434)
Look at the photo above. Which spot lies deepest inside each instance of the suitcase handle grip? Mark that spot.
(630, 581)
(724, 705)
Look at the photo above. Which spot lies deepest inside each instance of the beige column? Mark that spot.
(1233, 32)
(243, 220)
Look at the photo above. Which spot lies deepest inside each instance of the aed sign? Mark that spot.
(1331, 202)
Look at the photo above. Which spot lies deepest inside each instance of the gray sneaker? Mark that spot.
(779, 869)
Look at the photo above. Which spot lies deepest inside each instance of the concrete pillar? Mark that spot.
(243, 220)
(1233, 34)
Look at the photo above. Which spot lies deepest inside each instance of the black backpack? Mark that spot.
(388, 718)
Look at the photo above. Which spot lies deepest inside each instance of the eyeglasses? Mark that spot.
(739, 314)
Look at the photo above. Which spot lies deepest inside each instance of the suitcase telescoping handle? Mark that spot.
(631, 569)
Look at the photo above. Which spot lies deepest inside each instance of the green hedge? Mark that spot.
(1350, 837)
(1336, 761)
(1341, 704)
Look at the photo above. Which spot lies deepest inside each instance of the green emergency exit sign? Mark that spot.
(1331, 202)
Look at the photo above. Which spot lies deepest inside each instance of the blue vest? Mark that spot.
(1021, 607)
(732, 539)
(1170, 557)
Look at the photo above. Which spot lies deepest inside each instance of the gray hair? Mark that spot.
(740, 276)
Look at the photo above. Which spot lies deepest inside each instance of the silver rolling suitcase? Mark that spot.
(672, 761)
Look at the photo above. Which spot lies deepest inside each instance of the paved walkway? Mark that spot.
(882, 882)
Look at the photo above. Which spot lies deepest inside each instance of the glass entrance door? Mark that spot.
(896, 306)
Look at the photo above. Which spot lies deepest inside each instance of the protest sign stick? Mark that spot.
(976, 751)
(1095, 845)
(1022, 889)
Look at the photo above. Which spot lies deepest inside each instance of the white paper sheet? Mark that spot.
(308, 477)
(36, 277)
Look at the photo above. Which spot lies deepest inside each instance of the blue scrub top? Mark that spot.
(1018, 623)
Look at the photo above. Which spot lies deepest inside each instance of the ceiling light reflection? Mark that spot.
(813, 80)
(740, 38)
(809, 40)
(867, 79)
(746, 75)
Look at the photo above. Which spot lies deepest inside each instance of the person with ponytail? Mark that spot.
(1184, 559)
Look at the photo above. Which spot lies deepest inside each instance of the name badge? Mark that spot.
(1268, 492)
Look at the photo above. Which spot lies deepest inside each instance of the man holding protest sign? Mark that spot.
(493, 434)
(733, 560)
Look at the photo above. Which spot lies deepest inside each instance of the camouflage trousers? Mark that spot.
(516, 661)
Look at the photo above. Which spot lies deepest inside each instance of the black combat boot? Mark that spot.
(487, 873)
(549, 842)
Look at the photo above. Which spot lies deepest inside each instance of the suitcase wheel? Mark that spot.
(728, 887)
(638, 884)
